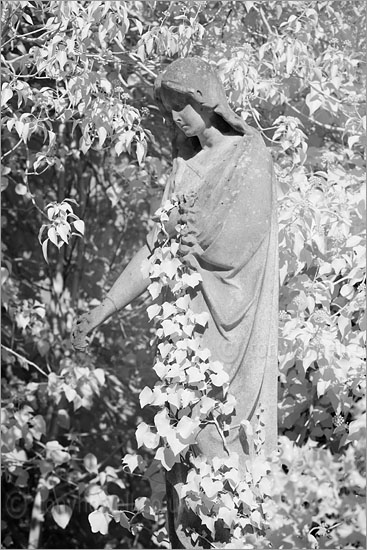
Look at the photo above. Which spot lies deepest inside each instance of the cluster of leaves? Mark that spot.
(60, 230)
(76, 84)
(192, 392)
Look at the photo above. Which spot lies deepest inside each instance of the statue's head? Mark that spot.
(190, 86)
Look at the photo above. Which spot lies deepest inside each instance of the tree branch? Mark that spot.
(25, 360)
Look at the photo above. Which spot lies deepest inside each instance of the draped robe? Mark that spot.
(231, 239)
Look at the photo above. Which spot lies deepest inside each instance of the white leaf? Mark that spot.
(61, 513)
(44, 249)
(155, 289)
(99, 522)
(102, 135)
(202, 318)
(145, 396)
(90, 463)
(219, 379)
(21, 189)
(63, 231)
(169, 327)
(153, 311)
(6, 94)
(194, 375)
(52, 235)
(140, 151)
(79, 226)
(166, 457)
(186, 427)
(210, 487)
(133, 461)
(144, 436)
(191, 280)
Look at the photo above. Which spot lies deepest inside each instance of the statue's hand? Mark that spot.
(79, 334)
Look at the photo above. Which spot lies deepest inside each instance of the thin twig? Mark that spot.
(215, 422)
(266, 23)
(11, 150)
(322, 125)
(26, 360)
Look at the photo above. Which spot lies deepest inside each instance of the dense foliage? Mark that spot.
(85, 156)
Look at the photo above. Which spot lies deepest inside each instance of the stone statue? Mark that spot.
(223, 175)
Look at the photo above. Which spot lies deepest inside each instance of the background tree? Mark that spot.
(85, 151)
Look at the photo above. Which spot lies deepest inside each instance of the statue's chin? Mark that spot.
(188, 132)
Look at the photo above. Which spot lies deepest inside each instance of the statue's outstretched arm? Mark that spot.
(128, 286)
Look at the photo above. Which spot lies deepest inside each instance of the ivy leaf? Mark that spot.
(192, 280)
(188, 329)
(208, 521)
(162, 422)
(173, 398)
(169, 327)
(144, 436)
(256, 518)
(99, 522)
(160, 368)
(247, 496)
(56, 452)
(183, 302)
(219, 379)
(61, 514)
(188, 397)
(133, 461)
(145, 396)
(265, 486)
(179, 355)
(168, 310)
(143, 505)
(194, 375)
(70, 393)
(154, 289)
(309, 358)
(207, 404)
(166, 457)
(203, 354)
(170, 266)
(211, 488)
(186, 427)
(202, 318)
(227, 515)
(153, 311)
(38, 426)
(164, 349)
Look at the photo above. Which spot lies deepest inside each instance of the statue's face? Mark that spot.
(188, 115)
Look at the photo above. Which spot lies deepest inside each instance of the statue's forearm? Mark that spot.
(129, 285)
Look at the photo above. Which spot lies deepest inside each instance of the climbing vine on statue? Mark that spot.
(191, 393)
(85, 156)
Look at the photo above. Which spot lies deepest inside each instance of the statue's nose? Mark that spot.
(176, 116)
